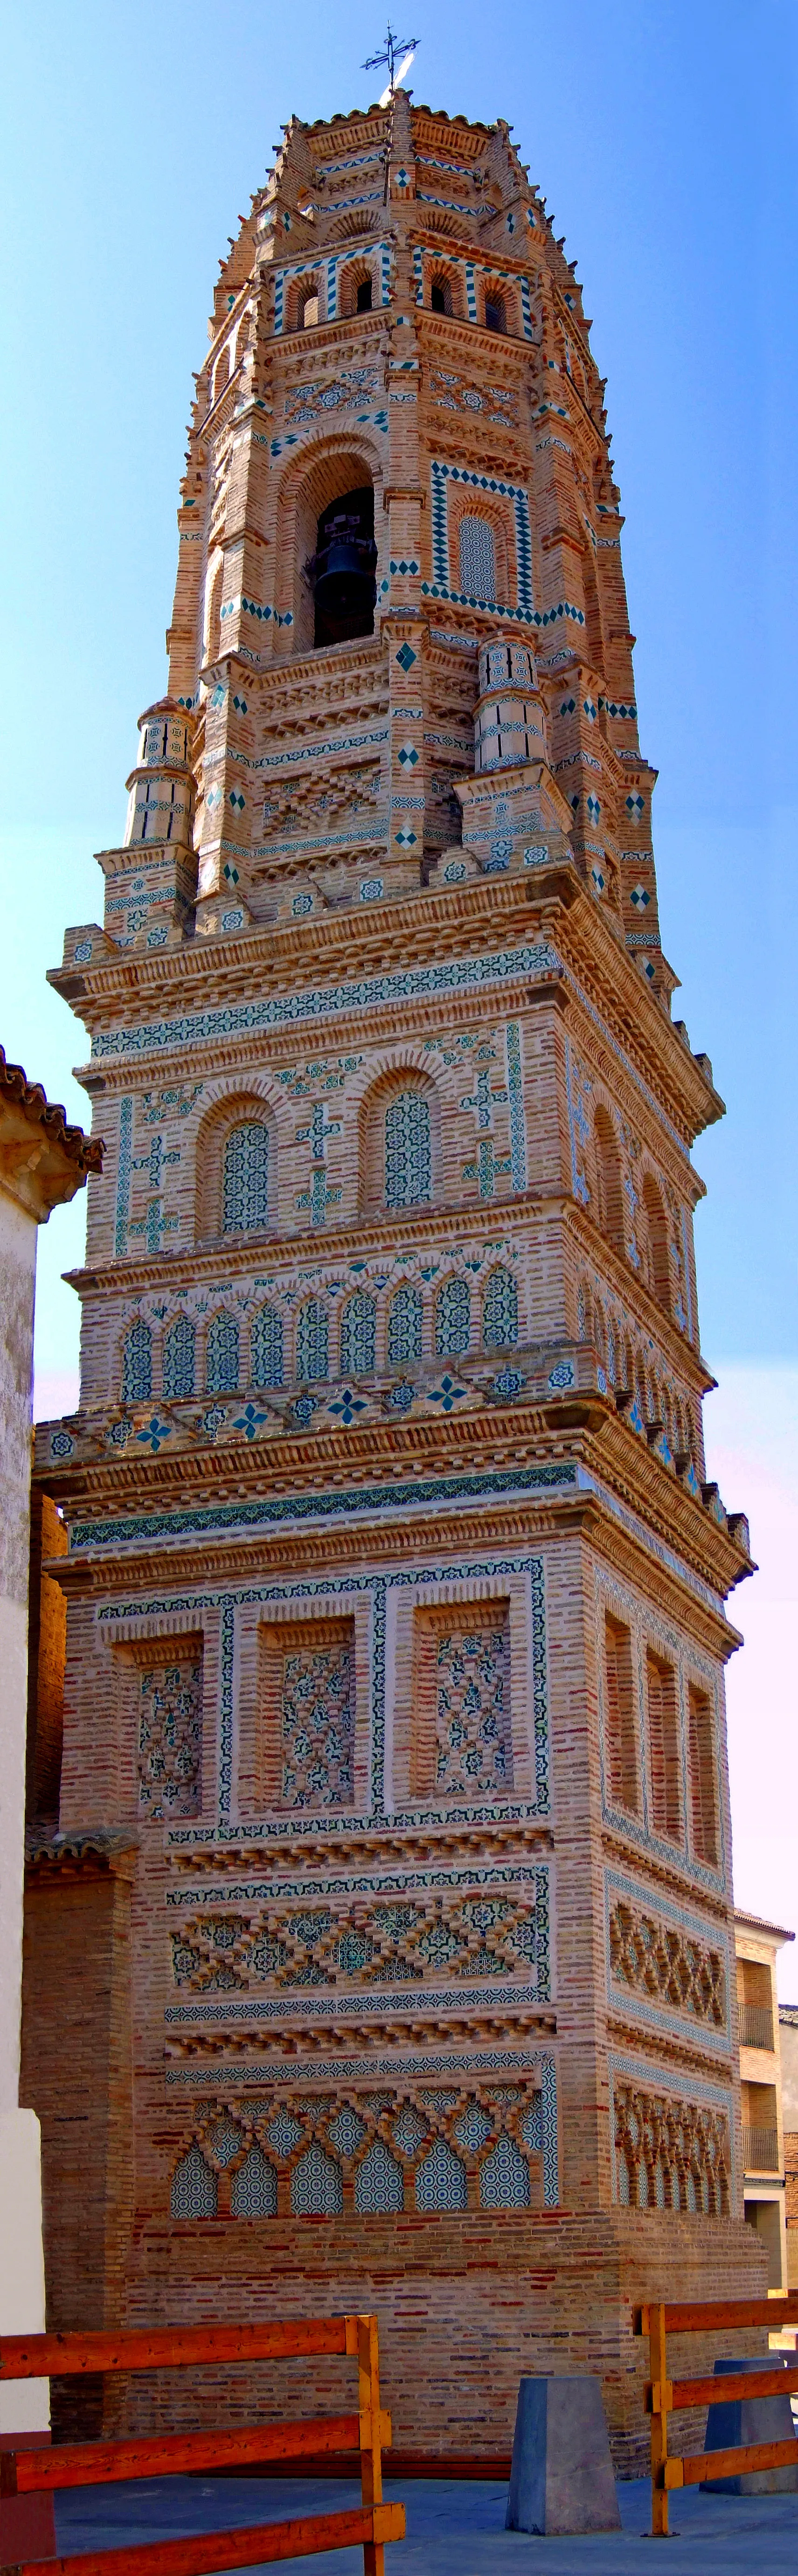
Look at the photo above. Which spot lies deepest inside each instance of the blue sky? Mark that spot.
(664, 140)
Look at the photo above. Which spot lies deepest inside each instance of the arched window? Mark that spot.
(307, 304)
(663, 1739)
(358, 1335)
(266, 1347)
(408, 1151)
(245, 1207)
(477, 557)
(440, 295)
(702, 1775)
(623, 1781)
(137, 1364)
(609, 1186)
(500, 1312)
(495, 313)
(213, 610)
(355, 289)
(312, 1340)
(221, 1355)
(178, 1358)
(405, 1322)
(453, 1318)
(656, 1248)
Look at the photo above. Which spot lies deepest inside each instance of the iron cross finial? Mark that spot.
(404, 45)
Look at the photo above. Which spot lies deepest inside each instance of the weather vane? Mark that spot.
(404, 45)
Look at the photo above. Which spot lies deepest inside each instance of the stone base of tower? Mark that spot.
(464, 2306)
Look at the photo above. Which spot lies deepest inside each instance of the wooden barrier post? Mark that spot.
(664, 2396)
(659, 2421)
(368, 2373)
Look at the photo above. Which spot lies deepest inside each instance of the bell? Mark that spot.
(342, 569)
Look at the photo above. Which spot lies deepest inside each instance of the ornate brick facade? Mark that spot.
(396, 1624)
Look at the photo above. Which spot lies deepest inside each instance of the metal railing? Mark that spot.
(756, 2026)
(760, 2150)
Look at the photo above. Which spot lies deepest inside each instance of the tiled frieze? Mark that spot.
(247, 1019)
(666, 1965)
(202, 1519)
(672, 2141)
(428, 2147)
(493, 2074)
(498, 1930)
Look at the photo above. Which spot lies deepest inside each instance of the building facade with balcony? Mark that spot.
(761, 2105)
(788, 2052)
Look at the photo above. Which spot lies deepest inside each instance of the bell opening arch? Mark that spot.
(329, 546)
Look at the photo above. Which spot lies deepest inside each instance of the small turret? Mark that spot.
(159, 807)
(509, 721)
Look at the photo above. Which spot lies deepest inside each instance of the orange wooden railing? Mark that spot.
(26, 2470)
(663, 2395)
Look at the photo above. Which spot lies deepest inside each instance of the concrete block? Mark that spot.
(751, 2419)
(561, 2478)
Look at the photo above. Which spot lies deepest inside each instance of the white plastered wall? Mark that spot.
(24, 2404)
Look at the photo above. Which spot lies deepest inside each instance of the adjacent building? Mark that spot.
(788, 2051)
(391, 1901)
(761, 2102)
(43, 1161)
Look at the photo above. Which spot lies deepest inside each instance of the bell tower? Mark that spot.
(396, 1588)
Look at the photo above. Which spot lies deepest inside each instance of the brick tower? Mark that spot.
(391, 1903)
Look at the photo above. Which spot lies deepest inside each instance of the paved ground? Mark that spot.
(453, 2528)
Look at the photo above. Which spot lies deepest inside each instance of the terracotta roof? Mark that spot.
(86, 1151)
(757, 1923)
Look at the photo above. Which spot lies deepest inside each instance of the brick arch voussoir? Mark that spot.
(405, 1057)
(313, 469)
